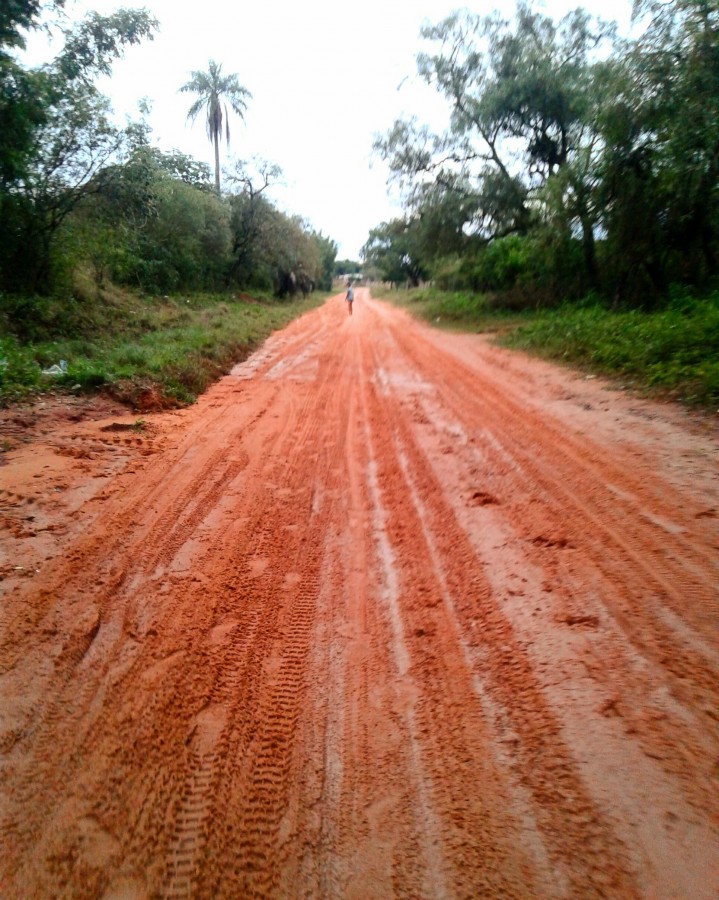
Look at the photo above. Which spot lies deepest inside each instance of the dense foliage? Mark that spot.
(80, 196)
(346, 267)
(573, 161)
(149, 352)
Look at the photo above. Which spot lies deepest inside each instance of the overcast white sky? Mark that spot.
(325, 77)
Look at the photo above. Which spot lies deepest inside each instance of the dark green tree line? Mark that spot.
(79, 193)
(572, 161)
(155, 222)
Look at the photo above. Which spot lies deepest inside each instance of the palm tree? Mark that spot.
(215, 93)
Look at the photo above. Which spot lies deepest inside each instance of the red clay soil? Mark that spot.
(388, 613)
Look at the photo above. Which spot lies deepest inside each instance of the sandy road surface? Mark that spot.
(388, 613)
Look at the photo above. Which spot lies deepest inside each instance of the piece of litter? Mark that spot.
(56, 369)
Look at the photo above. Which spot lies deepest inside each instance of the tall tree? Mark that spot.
(521, 98)
(249, 211)
(55, 132)
(661, 163)
(215, 93)
(394, 250)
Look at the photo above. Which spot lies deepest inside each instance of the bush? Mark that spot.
(173, 347)
(19, 371)
(522, 271)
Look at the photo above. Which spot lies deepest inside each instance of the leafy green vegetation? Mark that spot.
(573, 161)
(172, 347)
(675, 349)
(19, 371)
(346, 267)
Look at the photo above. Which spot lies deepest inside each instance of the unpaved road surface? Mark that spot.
(387, 613)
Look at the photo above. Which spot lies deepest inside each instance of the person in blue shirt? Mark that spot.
(350, 297)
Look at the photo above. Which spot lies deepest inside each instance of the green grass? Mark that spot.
(673, 351)
(175, 347)
(19, 372)
(452, 310)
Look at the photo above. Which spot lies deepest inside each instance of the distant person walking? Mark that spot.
(350, 297)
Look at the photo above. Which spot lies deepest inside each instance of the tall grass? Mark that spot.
(175, 347)
(675, 349)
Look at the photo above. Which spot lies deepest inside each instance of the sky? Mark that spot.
(326, 77)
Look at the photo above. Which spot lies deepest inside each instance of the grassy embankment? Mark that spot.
(124, 344)
(673, 351)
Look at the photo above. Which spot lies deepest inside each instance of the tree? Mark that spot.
(328, 252)
(78, 139)
(56, 135)
(154, 221)
(521, 101)
(22, 98)
(394, 249)
(661, 163)
(249, 212)
(215, 92)
(28, 95)
(588, 169)
(346, 267)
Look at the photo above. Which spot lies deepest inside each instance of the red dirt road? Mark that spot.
(387, 613)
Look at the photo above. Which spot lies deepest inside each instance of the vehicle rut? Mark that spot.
(389, 612)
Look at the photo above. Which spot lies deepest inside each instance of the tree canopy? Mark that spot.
(56, 133)
(598, 155)
(80, 192)
(215, 93)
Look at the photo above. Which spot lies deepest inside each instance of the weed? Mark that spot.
(19, 370)
(454, 310)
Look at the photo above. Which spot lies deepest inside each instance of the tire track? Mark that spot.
(540, 478)
(498, 668)
(308, 651)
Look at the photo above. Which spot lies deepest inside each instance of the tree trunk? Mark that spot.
(589, 251)
(217, 163)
